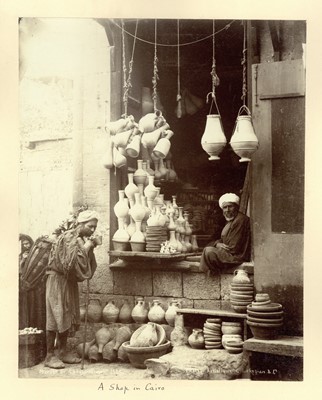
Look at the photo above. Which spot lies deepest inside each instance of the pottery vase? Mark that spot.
(183, 243)
(188, 243)
(172, 175)
(110, 312)
(196, 339)
(140, 175)
(172, 240)
(156, 313)
(107, 160)
(163, 170)
(157, 173)
(119, 160)
(179, 244)
(240, 276)
(102, 336)
(130, 229)
(121, 139)
(138, 210)
(121, 235)
(175, 207)
(244, 141)
(117, 126)
(213, 139)
(139, 313)
(179, 336)
(162, 148)
(148, 123)
(194, 243)
(80, 348)
(138, 236)
(171, 225)
(149, 170)
(150, 191)
(171, 312)
(125, 313)
(133, 147)
(131, 188)
(93, 354)
(121, 208)
(123, 334)
(94, 313)
(109, 355)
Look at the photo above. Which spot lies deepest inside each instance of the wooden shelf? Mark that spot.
(213, 313)
(149, 255)
(155, 265)
(284, 346)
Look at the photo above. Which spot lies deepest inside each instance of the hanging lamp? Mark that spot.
(213, 139)
(244, 141)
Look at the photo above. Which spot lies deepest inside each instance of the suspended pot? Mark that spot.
(150, 139)
(133, 147)
(120, 125)
(107, 160)
(121, 139)
(244, 141)
(162, 148)
(213, 140)
(151, 121)
(119, 160)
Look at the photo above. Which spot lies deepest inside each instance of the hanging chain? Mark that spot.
(155, 70)
(178, 63)
(244, 64)
(214, 77)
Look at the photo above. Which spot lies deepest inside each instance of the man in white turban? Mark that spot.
(234, 245)
(71, 260)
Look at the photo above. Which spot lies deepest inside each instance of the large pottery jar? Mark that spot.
(110, 312)
(125, 313)
(171, 312)
(156, 312)
(102, 336)
(196, 339)
(213, 139)
(94, 310)
(139, 312)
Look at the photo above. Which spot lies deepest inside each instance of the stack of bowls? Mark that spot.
(264, 317)
(212, 333)
(241, 294)
(234, 346)
(231, 331)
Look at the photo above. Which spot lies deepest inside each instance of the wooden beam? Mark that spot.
(275, 39)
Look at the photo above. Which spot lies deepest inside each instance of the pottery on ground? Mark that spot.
(196, 340)
(265, 314)
(138, 355)
(269, 307)
(265, 320)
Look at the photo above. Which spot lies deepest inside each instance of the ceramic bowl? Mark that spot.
(235, 343)
(231, 330)
(239, 309)
(137, 246)
(264, 325)
(234, 350)
(262, 297)
(261, 303)
(265, 314)
(137, 355)
(121, 246)
(264, 333)
(272, 307)
(214, 320)
(265, 320)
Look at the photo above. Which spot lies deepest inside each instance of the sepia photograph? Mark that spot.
(162, 200)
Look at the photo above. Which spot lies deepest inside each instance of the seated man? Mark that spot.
(234, 245)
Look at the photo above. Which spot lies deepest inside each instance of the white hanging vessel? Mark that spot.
(244, 141)
(213, 139)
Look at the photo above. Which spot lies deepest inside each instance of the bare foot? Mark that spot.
(70, 358)
(54, 362)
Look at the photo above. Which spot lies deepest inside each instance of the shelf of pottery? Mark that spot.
(147, 222)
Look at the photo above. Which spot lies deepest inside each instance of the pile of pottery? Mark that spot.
(155, 236)
(212, 333)
(232, 337)
(148, 341)
(241, 291)
(264, 317)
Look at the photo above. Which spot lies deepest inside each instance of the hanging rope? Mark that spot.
(127, 83)
(225, 28)
(155, 70)
(178, 63)
(244, 64)
(214, 77)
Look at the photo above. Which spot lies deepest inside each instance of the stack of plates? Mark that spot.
(241, 294)
(234, 346)
(264, 317)
(155, 235)
(212, 333)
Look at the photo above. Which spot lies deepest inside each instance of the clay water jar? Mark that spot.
(139, 313)
(196, 340)
(102, 336)
(122, 355)
(80, 348)
(156, 312)
(125, 313)
(109, 354)
(123, 334)
(110, 312)
(93, 354)
(94, 310)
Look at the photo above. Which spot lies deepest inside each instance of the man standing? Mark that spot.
(234, 245)
(71, 261)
